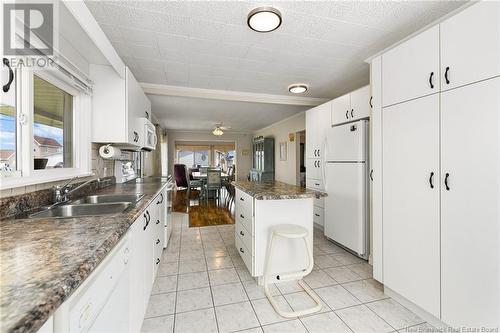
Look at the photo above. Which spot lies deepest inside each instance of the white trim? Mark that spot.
(430, 25)
(227, 95)
(88, 23)
(426, 316)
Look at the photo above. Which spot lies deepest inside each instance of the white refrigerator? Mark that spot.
(346, 182)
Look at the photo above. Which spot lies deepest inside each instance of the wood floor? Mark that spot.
(203, 212)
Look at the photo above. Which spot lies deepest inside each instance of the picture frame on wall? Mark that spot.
(283, 151)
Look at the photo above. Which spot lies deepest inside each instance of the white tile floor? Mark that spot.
(204, 286)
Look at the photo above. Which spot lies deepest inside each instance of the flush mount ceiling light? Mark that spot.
(264, 19)
(217, 131)
(297, 88)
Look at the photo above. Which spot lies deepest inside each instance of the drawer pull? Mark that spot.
(157, 221)
(316, 215)
(317, 184)
(158, 241)
(242, 199)
(241, 215)
(157, 261)
(241, 250)
(242, 233)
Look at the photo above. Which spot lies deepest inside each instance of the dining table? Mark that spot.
(203, 176)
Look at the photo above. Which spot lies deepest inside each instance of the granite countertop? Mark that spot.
(274, 190)
(44, 260)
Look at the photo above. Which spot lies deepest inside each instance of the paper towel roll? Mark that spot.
(109, 152)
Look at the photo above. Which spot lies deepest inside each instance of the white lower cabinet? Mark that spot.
(470, 205)
(411, 201)
(252, 232)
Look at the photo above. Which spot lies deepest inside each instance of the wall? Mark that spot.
(243, 142)
(285, 171)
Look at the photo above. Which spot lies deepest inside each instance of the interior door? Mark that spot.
(411, 201)
(411, 70)
(470, 45)
(346, 205)
(470, 118)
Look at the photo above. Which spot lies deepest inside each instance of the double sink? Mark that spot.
(92, 205)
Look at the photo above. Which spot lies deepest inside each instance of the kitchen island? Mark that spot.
(261, 205)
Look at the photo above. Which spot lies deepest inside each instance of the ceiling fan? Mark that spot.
(219, 129)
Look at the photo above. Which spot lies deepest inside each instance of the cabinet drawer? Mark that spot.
(245, 218)
(319, 202)
(314, 184)
(244, 235)
(245, 254)
(244, 200)
(318, 215)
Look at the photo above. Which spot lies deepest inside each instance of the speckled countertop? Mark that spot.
(276, 190)
(42, 261)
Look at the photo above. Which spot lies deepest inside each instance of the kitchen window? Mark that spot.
(41, 129)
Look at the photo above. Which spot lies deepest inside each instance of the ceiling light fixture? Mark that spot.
(297, 88)
(264, 19)
(217, 131)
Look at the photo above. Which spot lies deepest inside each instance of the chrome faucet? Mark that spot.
(61, 192)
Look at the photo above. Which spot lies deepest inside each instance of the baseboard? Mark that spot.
(431, 319)
(319, 226)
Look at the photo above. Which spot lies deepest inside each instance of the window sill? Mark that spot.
(14, 182)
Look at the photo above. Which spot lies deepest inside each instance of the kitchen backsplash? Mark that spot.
(100, 168)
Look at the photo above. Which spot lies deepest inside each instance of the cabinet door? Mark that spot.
(311, 137)
(470, 121)
(138, 296)
(313, 168)
(360, 103)
(410, 70)
(324, 114)
(376, 167)
(341, 109)
(470, 45)
(411, 205)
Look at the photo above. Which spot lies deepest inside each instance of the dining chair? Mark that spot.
(213, 183)
(180, 176)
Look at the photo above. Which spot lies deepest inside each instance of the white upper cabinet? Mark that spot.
(317, 122)
(410, 70)
(470, 45)
(341, 108)
(351, 107)
(117, 103)
(360, 103)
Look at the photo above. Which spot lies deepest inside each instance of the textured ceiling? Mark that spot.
(208, 45)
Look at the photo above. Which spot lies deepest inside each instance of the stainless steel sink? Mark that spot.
(72, 210)
(109, 198)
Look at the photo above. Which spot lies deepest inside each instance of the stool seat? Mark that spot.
(290, 231)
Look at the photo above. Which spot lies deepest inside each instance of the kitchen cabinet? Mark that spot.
(351, 107)
(411, 232)
(470, 213)
(470, 45)
(254, 218)
(341, 108)
(314, 169)
(317, 122)
(376, 168)
(411, 69)
(117, 105)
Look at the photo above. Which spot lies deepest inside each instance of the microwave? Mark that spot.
(150, 139)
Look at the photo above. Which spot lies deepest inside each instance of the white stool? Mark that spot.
(290, 231)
